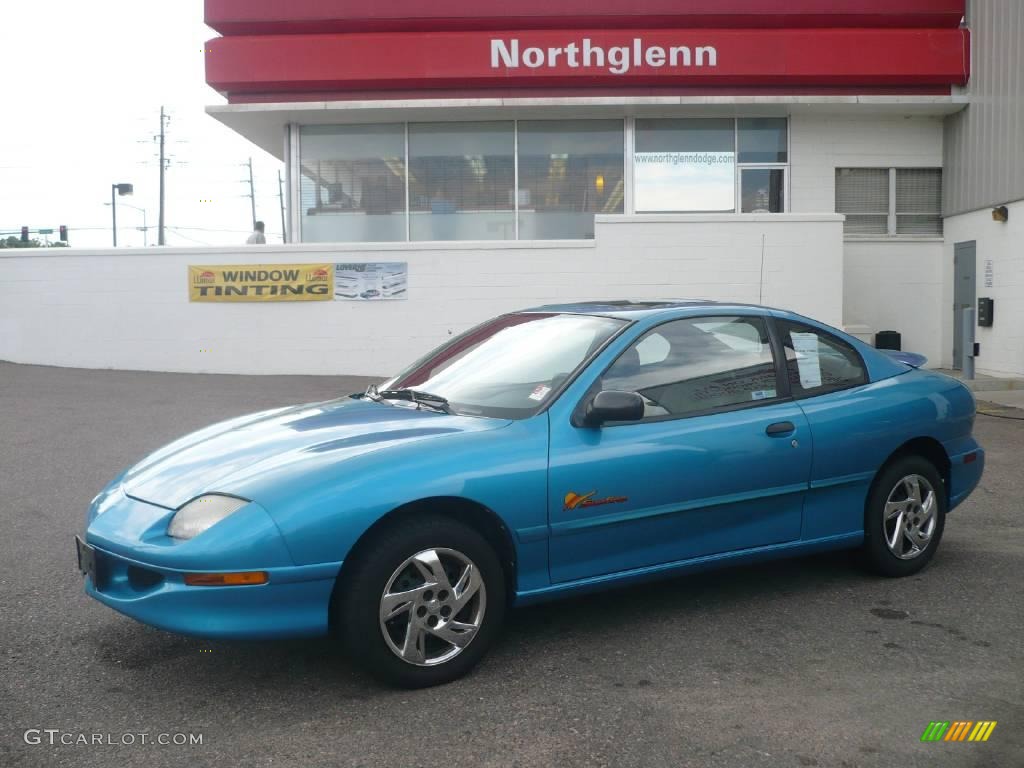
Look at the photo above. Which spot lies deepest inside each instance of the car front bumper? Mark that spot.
(293, 603)
(140, 572)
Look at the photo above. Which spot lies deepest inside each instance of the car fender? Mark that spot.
(324, 511)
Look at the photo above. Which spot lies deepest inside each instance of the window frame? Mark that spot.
(797, 391)
(782, 388)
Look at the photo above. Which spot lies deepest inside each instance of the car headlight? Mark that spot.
(202, 513)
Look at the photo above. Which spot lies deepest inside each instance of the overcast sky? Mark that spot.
(82, 85)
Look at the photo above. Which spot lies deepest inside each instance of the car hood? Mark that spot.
(222, 457)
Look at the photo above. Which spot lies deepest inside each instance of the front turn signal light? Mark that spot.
(225, 579)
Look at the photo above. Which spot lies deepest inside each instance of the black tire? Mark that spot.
(878, 556)
(357, 606)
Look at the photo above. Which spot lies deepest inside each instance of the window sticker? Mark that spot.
(762, 394)
(540, 392)
(808, 361)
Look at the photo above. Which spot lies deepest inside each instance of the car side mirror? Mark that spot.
(613, 405)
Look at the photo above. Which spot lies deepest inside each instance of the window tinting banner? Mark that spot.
(260, 282)
(374, 281)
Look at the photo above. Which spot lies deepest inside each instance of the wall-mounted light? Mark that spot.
(599, 182)
(1001, 214)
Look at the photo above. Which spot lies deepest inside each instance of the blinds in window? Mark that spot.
(862, 194)
(918, 201)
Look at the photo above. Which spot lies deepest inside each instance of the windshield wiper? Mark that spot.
(412, 395)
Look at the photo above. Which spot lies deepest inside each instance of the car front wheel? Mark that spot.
(422, 602)
(905, 517)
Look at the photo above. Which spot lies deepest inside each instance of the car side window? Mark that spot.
(697, 365)
(817, 362)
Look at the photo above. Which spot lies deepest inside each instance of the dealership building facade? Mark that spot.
(682, 139)
(841, 158)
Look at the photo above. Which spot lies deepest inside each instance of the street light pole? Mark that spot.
(115, 191)
(145, 226)
(113, 210)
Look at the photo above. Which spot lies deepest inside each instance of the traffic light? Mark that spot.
(24, 234)
(63, 233)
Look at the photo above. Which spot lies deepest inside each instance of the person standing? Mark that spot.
(257, 237)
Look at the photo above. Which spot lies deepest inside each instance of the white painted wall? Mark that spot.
(820, 143)
(1002, 345)
(129, 309)
(897, 286)
(888, 284)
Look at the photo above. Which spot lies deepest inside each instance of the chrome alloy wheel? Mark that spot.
(909, 519)
(432, 607)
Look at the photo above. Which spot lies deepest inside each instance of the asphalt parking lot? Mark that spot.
(801, 663)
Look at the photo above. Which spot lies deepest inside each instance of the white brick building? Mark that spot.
(808, 163)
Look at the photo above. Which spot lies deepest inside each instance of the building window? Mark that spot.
(711, 165)
(547, 179)
(890, 201)
(918, 201)
(685, 165)
(762, 190)
(763, 140)
(462, 181)
(569, 170)
(352, 183)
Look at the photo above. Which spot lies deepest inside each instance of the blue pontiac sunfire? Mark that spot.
(541, 454)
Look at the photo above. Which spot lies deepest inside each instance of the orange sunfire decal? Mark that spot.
(575, 500)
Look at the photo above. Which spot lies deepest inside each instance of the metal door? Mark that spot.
(964, 275)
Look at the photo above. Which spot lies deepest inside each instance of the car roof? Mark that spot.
(635, 310)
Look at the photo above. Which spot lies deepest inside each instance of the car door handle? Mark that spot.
(780, 429)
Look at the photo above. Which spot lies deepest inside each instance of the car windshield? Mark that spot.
(511, 366)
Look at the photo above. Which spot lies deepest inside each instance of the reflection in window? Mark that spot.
(510, 366)
(352, 184)
(685, 165)
(697, 365)
(818, 362)
(568, 171)
(763, 140)
(461, 181)
(762, 190)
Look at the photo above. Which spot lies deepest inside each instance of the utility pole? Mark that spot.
(163, 167)
(252, 195)
(280, 194)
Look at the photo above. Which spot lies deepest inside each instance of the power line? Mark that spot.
(186, 237)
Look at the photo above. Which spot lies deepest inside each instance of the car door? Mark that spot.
(719, 462)
(856, 424)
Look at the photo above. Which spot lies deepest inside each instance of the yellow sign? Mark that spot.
(260, 282)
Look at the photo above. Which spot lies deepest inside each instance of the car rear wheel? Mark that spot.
(422, 602)
(905, 517)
